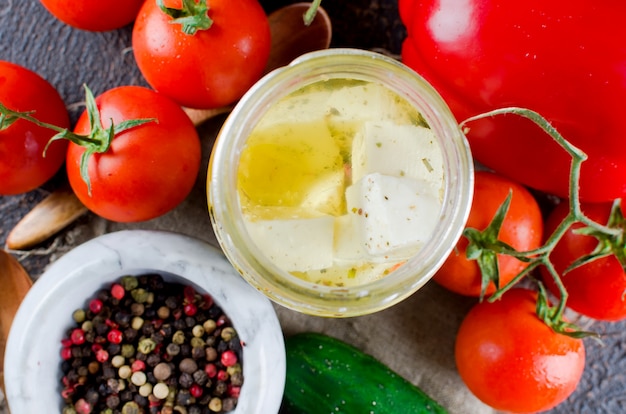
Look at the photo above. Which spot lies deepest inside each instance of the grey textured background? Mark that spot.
(415, 338)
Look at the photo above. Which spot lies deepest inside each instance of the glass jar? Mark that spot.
(224, 200)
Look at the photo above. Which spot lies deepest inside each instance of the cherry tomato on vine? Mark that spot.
(511, 360)
(522, 229)
(94, 15)
(202, 67)
(596, 289)
(148, 169)
(23, 166)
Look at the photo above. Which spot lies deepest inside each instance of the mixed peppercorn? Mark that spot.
(145, 345)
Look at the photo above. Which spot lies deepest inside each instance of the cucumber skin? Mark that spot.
(328, 376)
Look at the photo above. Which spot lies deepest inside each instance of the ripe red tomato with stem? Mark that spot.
(201, 56)
(94, 15)
(145, 170)
(512, 360)
(23, 166)
(522, 229)
(597, 288)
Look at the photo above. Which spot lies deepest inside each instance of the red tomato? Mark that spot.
(94, 15)
(597, 289)
(487, 54)
(522, 228)
(22, 164)
(211, 68)
(514, 362)
(149, 169)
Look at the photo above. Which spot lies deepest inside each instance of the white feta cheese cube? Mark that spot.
(393, 216)
(296, 244)
(348, 247)
(397, 150)
(367, 101)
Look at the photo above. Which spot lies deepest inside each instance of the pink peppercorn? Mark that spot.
(138, 365)
(207, 301)
(211, 370)
(190, 309)
(222, 375)
(67, 392)
(189, 293)
(114, 336)
(195, 390)
(228, 358)
(102, 355)
(65, 342)
(95, 305)
(77, 336)
(66, 353)
(234, 390)
(117, 291)
(82, 407)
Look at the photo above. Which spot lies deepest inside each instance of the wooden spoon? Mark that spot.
(14, 284)
(290, 39)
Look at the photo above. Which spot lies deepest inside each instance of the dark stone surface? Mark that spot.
(68, 58)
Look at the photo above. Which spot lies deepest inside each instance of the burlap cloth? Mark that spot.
(415, 338)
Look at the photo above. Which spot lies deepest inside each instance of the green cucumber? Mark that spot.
(328, 376)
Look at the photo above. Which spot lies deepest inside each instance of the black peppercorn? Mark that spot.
(183, 398)
(185, 380)
(220, 388)
(112, 401)
(165, 327)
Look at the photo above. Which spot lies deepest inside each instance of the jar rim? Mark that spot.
(227, 218)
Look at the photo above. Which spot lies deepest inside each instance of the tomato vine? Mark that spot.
(97, 141)
(611, 236)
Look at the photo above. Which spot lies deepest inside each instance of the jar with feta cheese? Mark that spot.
(340, 183)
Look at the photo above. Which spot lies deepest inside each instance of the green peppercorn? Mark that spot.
(178, 337)
(139, 295)
(197, 342)
(129, 282)
(131, 407)
(79, 315)
(215, 405)
(197, 331)
(146, 345)
(233, 368)
(209, 326)
(127, 351)
(87, 326)
(228, 333)
(150, 298)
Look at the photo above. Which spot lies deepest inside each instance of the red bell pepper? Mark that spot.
(563, 59)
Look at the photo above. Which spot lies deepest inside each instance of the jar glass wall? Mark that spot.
(225, 201)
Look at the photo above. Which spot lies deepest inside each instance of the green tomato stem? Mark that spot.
(541, 256)
(311, 12)
(98, 141)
